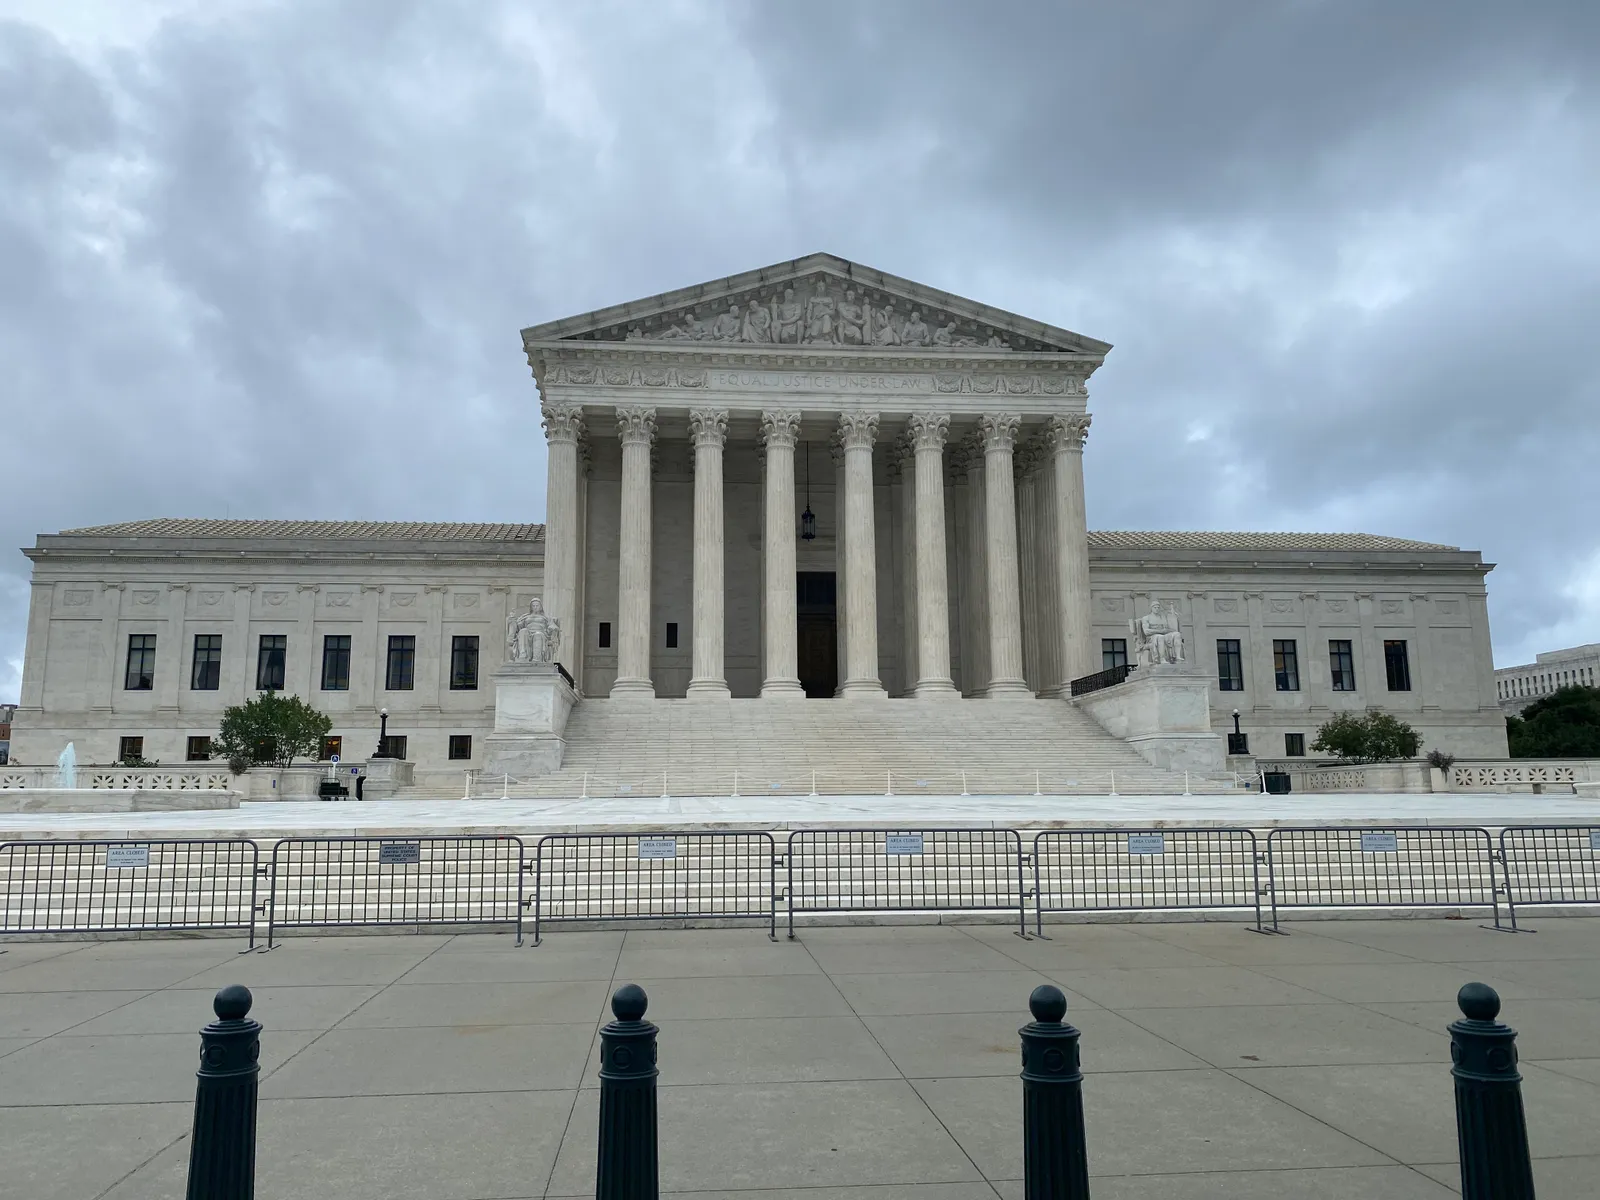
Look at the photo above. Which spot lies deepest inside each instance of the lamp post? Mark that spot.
(1236, 722)
(383, 733)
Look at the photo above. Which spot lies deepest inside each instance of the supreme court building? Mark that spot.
(812, 480)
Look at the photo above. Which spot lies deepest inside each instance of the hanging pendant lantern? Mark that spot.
(808, 519)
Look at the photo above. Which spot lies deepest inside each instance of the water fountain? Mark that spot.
(67, 768)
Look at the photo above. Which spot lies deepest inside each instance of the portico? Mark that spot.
(953, 523)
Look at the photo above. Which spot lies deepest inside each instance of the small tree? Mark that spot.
(272, 729)
(1367, 738)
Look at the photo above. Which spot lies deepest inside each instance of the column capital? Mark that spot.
(562, 422)
(999, 430)
(928, 430)
(636, 426)
(858, 430)
(1067, 432)
(708, 426)
(780, 428)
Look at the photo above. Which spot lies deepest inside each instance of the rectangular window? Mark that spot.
(270, 662)
(1286, 665)
(141, 673)
(1294, 745)
(1113, 653)
(605, 635)
(464, 663)
(206, 675)
(198, 750)
(1397, 666)
(672, 635)
(332, 747)
(395, 746)
(1341, 666)
(402, 663)
(1230, 665)
(130, 749)
(336, 662)
(460, 746)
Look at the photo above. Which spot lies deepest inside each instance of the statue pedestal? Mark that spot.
(1163, 712)
(531, 705)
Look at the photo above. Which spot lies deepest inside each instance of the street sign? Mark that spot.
(333, 758)
(118, 857)
(658, 847)
(902, 843)
(1594, 840)
(1147, 843)
(1379, 843)
(400, 853)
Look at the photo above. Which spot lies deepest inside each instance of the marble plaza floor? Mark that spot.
(1248, 809)
(869, 1063)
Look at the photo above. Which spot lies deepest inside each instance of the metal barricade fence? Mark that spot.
(720, 874)
(1145, 870)
(1381, 867)
(1550, 864)
(328, 881)
(111, 886)
(905, 870)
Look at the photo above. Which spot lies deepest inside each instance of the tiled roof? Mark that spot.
(1121, 539)
(190, 527)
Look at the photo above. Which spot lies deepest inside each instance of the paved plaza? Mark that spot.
(863, 1063)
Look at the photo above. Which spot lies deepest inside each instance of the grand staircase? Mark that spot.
(838, 747)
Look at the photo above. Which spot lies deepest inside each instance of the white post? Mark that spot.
(888, 783)
(813, 782)
(505, 786)
(1113, 791)
(1186, 783)
(963, 783)
(736, 781)
(664, 785)
(1036, 790)
(467, 795)
(585, 795)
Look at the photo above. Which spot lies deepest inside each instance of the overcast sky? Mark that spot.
(270, 259)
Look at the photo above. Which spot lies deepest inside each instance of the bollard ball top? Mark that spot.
(232, 1003)
(1478, 1002)
(629, 1002)
(1047, 1003)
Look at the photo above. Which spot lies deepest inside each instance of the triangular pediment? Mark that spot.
(822, 302)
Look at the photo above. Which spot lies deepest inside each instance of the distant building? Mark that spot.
(7, 712)
(1521, 686)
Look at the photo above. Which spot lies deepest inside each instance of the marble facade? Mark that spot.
(938, 445)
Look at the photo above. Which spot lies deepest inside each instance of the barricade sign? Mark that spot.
(1380, 843)
(119, 857)
(902, 843)
(397, 854)
(658, 847)
(1147, 843)
(1594, 840)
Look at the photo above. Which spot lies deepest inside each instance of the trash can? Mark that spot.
(1277, 782)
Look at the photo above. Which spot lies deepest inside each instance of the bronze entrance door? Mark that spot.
(817, 648)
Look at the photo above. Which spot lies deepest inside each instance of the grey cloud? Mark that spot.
(274, 263)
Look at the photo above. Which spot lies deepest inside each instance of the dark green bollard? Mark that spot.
(1055, 1158)
(1491, 1130)
(627, 1168)
(222, 1145)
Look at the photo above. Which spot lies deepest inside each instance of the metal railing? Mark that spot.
(1550, 864)
(1145, 870)
(715, 874)
(1110, 677)
(333, 881)
(1381, 867)
(905, 870)
(111, 886)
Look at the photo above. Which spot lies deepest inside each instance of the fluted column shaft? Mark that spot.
(563, 424)
(1005, 599)
(928, 432)
(904, 475)
(977, 574)
(779, 429)
(1065, 436)
(636, 429)
(858, 431)
(841, 581)
(708, 429)
(1023, 461)
(1046, 584)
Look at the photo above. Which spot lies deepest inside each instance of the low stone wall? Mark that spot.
(96, 800)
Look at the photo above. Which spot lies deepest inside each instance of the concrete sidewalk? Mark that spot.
(874, 1063)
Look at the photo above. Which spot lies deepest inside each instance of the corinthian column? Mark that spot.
(1065, 435)
(563, 424)
(779, 428)
(708, 429)
(999, 432)
(928, 432)
(857, 432)
(636, 429)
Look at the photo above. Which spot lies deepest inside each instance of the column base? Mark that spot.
(633, 689)
(862, 689)
(782, 689)
(708, 689)
(1008, 689)
(935, 689)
